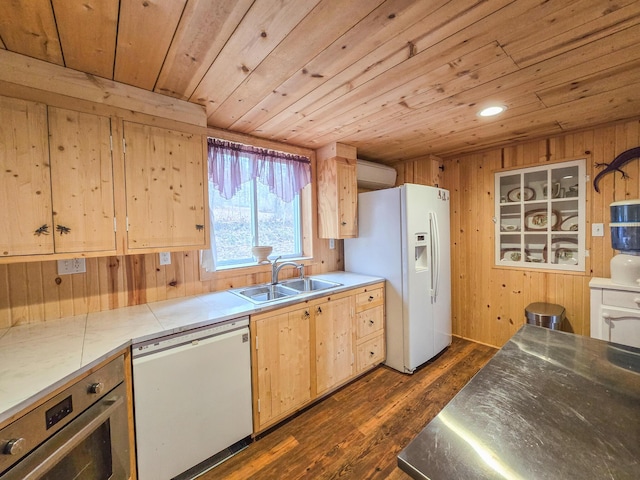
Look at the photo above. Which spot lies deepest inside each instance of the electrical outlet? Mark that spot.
(332, 244)
(72, 265)
(597, 229)
(165, 258)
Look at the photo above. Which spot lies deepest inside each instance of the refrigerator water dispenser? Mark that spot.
(421, 244)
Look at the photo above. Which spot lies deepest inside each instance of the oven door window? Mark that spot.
(91, 459)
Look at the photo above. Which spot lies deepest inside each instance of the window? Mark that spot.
(254, 199)
(540, 216)
(254, 216)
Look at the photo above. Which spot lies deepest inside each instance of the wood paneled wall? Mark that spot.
(489, 301)
(34, 292)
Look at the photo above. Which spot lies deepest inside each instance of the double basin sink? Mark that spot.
(287, 288)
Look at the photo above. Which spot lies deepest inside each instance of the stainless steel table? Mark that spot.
(548, 405)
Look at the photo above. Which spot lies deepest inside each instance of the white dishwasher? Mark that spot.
(192, 399)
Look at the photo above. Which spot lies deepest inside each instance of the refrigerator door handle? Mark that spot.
(435, 254)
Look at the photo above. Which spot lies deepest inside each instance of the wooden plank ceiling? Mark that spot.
(398, 79)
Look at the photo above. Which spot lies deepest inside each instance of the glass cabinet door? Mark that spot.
(540, 216)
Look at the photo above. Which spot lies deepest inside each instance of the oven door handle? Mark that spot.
(43, 459)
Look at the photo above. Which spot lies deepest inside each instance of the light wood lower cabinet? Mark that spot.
(305, 351)
(334, 343)
(280, 364)
(370, 340)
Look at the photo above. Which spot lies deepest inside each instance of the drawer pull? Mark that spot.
(371, 322)
(371, 354)
(371, 298)
(607, 317)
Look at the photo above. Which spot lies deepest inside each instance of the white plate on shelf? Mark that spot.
(569, 224)
(564, 251)
(539, 220)
(515, 195)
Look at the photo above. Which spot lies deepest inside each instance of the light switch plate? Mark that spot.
(332, 244)
(72, 265)
(597, 229)
(165, 258)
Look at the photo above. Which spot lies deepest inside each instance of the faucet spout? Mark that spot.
(275, 269)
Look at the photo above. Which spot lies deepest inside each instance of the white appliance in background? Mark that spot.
(375, 176)
(403, 236)
(192, 399)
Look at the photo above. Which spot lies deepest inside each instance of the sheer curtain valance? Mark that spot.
(232, 164)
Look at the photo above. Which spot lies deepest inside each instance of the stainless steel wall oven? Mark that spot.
(80, 433)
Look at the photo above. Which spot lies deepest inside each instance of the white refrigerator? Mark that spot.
(403, 236)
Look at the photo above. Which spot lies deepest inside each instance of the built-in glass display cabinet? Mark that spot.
(540, 216)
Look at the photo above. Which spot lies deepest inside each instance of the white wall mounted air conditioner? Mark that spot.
(375, 176)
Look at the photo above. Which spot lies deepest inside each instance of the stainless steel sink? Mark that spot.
(265, 293)
(309, 284)
(287, 288)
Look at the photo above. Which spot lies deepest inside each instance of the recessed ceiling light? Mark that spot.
(491, 111)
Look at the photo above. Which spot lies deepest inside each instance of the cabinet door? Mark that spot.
(25, 188)
(347, 200)
(334, 343)
(337, 198)
(81, 181)
(283, 364)
(165, 188)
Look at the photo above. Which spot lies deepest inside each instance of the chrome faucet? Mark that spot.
(275, 269)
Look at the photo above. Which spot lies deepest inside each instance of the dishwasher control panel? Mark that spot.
(188, 336)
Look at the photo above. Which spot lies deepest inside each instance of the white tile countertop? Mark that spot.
(36, 359)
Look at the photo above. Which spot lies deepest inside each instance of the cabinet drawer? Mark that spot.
(619, 298)
(619, 325)
(369, 299)
(370, 353)
(369, 321)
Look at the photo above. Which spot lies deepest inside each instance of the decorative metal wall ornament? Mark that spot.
(62, 229)
(43, 230)
(615, 166)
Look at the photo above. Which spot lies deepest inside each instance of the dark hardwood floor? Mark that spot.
(357, 432)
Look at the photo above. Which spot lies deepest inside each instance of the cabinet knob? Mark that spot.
(199, 227)
(371, 354)
(306, 313)
(319, 310)
(371, 298)
(14, 446)
(371, 322)
(343, 223)
(96, 388)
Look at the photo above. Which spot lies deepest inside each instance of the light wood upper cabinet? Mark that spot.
(337, 192)
(337, 198)
(57, 181)
(81, 182)
(165, 188)
(281, 364)
(25, 188)
(334, 343)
